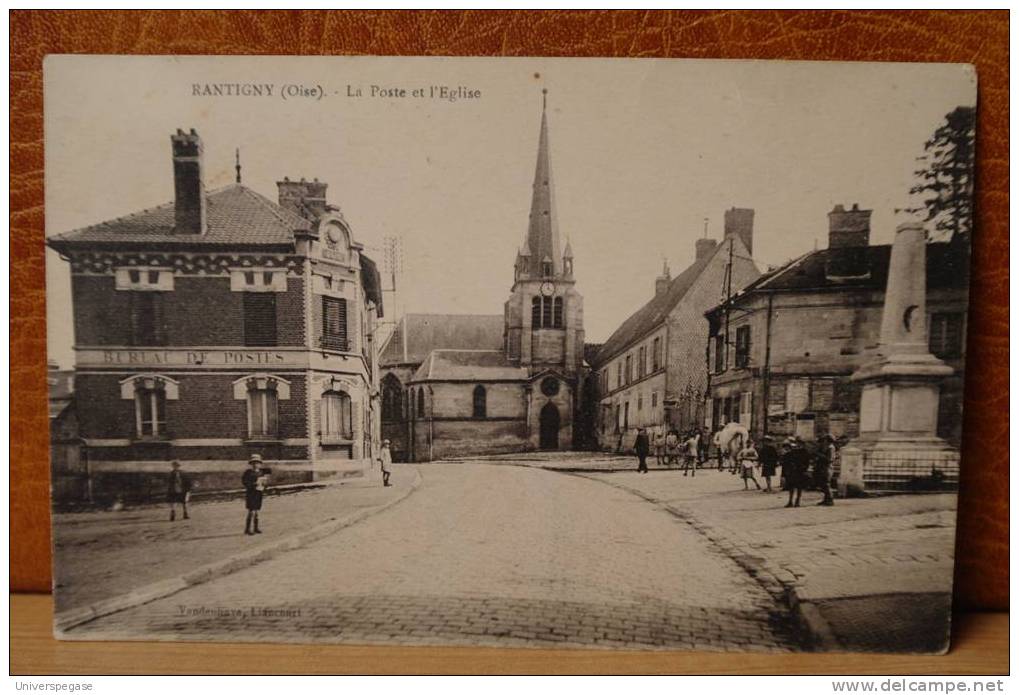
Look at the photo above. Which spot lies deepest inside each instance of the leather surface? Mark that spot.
(978, 37)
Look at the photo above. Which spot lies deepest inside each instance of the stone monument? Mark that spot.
(901, 386)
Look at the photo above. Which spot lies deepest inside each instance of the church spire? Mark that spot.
(543, 227)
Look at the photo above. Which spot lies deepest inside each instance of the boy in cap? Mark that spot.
(254, 485)
(385, 461)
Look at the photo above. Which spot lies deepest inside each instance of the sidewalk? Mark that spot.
(863, 574)
(103, 555)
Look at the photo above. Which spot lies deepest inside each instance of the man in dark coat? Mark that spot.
(823, 463)
(795, 470)
(768, 456)
(253, 486)
(178, 489)
(642, 447)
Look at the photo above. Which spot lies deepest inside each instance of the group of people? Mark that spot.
(803, 467)
(255, 480)
(689, 450)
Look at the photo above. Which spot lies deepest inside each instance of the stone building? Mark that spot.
(221, 325)
(463, 385)
(781, 351)
(650, 372)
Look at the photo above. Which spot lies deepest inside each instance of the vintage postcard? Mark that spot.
(587, 353)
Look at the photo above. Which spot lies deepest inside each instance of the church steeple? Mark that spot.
(543, 227)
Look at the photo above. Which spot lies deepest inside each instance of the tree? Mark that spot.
(944, 189)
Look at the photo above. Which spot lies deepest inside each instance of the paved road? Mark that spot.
(490, 555)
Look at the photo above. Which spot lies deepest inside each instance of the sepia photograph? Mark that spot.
(630, 354)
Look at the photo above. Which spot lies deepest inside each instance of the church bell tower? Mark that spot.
(544, 316)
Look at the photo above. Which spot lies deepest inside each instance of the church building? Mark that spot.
(456, 385)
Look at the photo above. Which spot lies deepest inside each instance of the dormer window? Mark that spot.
(546, 269)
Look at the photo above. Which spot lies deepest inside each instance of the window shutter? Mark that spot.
(334, 323)
(259, 318)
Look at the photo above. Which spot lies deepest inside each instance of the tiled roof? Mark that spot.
(469, 365)
(235, 216)
(651, 314)
(427, 332)
(947, 267)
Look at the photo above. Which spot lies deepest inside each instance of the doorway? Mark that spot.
(549, 438)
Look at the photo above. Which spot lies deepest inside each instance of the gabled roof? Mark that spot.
(235, 216)
(469, 365)
(427, 332)
(653, 313)
(947, 268)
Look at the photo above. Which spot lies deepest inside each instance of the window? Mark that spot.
(618, 421)
(656, 354)
(334, 323)
(336, 415)
(619, 374)
(143, 279)
(546, 269)
(480, 401)
(642, 361)
(640, 401)
(743, 346)
(263, 409)
(945, 338)
(147, 319)
(421, 402)
(719, 353)
(259, 319)
(546, 312)
(150, 408)
(626, 415)
(392, 399)
(654, 400)
(629, 368)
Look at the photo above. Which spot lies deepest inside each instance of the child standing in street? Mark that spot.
(748, 459)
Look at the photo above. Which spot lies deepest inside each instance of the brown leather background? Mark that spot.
(978, 37)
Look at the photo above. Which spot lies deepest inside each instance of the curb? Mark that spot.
(820, 636)
(74, 617)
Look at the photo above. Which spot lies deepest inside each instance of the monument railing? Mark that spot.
(925, 471)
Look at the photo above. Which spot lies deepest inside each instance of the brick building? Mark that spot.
(461, 385)
(781, 352)
(650, 372)
(221, 325)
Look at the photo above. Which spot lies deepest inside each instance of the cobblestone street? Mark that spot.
(879, 569)
(489, 555)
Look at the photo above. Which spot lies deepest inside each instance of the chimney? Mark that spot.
(663, 281)
(740, 221)
(306, 198)
(705, 247)
(848, 227)
(188, 183)
(848, 239)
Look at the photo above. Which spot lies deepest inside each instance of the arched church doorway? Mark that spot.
(549, 438)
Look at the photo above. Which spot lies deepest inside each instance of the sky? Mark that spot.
(643, 152)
